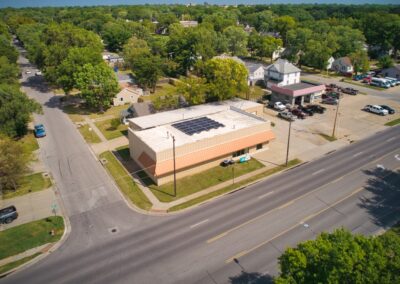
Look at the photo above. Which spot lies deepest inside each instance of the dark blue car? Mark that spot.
(39, 131)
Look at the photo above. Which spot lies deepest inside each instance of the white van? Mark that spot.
(380, 82)
(394, 80)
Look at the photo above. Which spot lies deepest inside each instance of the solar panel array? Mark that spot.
(197, 125)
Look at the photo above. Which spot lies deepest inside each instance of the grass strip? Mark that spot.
(29, 142)
(111, 132)
(233, 186)
(328, 137)
(9, 266)
(125, 182)
(197, 182)
(30, 235)
(393, 122)
(28, 184)
(89, 135)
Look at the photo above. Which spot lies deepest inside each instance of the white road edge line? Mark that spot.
(266, 194)
(317, 172)
(358, 154)
(390, 139)
(199, 223)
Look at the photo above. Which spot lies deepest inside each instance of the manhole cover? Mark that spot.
(113, 230)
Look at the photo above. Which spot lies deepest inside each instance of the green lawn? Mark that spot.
(77, 113)
(30, 235)
(12, 265)
(109, 131)
(30, 183)
(234, 186)
(124, 153)
(89, 135)
(161, 90)
(393, 122)
(29, 142)
(125, 182)
(197, 182)
(112, 111)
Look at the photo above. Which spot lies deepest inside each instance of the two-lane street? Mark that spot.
(356, 187)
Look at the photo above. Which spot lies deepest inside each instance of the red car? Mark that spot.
(299, 113)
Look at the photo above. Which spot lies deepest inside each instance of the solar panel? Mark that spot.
(197, 125)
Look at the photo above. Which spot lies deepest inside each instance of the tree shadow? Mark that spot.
(385, 186)
(37, 83)
(251, 278)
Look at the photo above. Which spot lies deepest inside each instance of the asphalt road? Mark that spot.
(356, 187)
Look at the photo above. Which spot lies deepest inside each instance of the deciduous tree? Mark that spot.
(193, 88)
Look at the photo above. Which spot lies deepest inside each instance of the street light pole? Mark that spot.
(173, 151)
(288, 143)
(336, 115)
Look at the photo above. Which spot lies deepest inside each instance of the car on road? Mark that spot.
(350, 91)
(287, 115)
(299, 113)
(227, 162)
(28, 72)
(376, 109)
(388, 108)
(330, 101)
(8, 214)
(39, 131)
(38, 73)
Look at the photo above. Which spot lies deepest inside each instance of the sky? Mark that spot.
(42, 3)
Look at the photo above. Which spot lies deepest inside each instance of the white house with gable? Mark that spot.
(127, 95)
(282, 73)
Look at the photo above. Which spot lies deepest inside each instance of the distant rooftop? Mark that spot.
(298, 86)
(283, 66)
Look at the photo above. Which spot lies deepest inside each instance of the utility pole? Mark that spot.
(288, 143)
(173, 151)
(336, 115)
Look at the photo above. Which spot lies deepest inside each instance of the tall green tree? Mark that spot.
(8, 71)
(237, 40)
(14, 163)
(193, 89)
(7, 50)
(135, 49)
(317, 54)
(147, 71)
(385, 61)
(284, 24)
(115, 35)
(360, 61)
(226, 78)
(341, 257)
(15, 110)
(98, 85)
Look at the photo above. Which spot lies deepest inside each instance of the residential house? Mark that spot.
(189, 24)
(278, 53)
(329, 63)
(343, 65)
(392, 72)
(127, 95)
(281, 73)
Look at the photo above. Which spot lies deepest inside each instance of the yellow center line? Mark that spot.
(245, 252)
(223, 234)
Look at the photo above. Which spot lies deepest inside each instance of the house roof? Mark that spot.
(283, 66)
(396, 67)
(344, 60)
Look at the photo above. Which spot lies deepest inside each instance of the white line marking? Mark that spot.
(358, 154)
(264, 195)
(397, 157)
(390, 139)
(198, 224)
(318, 172)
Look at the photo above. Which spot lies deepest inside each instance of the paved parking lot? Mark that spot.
(306, 141)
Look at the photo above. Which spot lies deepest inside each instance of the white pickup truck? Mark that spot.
(376, 109)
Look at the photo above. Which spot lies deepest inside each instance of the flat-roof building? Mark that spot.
(204, 136)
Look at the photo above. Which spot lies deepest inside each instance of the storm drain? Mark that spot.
(113, 230)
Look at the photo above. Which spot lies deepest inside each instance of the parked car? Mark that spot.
(287, 115)
(38, 73)
(331, 95)
(350, 91)
(376, 109)
(307, 110)
(299, 113)
(279, 106)
(39, 131)
(8, 214)
(330, 101)
(28, 72)
(317, 108)
(388, 108)
(227, 162)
